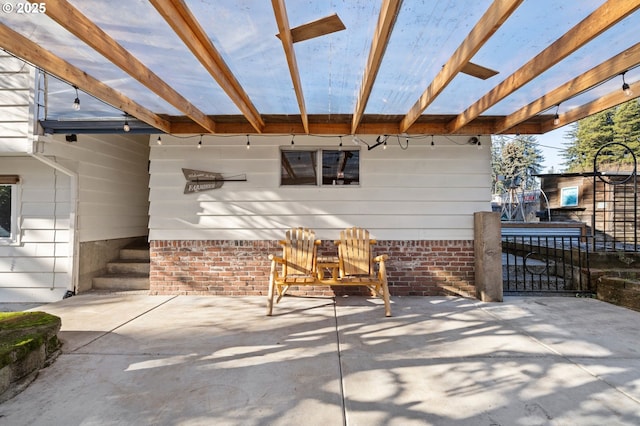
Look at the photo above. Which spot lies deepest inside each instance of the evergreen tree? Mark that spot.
(514, 162)
(620, 124)
(626, 125)
(585, 138)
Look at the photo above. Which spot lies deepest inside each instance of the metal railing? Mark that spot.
(545, 264)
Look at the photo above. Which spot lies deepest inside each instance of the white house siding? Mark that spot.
(37, 268)
(113, 183)
(419, 195)
(111, 199)
(16, 104)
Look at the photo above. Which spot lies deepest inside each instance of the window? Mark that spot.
(8, 208)
(339, 167)
(569, 196)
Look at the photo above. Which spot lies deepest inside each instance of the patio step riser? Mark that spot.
(135, 254)
(128, 268)
(121, 282)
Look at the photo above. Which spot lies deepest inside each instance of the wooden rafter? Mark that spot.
(386, 21)
(615, 65)
(79, 25)
(323, 26)
(478, 71)
(180, 18)
(597, 22)
(610, 100)
(492, 19)
(32, 52)
(284, 30)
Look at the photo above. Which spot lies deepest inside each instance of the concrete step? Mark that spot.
(121, 282)
(129, 272)
(135, 253)
(128, 266)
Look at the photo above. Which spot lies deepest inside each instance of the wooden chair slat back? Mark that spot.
(355, 252)
(299, 252)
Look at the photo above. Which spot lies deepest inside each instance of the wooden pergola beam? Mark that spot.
(607, 101)
(386, 20)
(280, 11)
(596, 23)
(180, 18)
(79, 25)
(613, 66)
(340, 125)
(33, 53)
(492, 19)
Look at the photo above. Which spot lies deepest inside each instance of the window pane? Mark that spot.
(5, 211)
(341, 167)
(298, 168)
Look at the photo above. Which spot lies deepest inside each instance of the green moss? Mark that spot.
(23, 332)
(19, 320)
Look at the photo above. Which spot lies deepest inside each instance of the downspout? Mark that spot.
(38, 107)
(72, 255)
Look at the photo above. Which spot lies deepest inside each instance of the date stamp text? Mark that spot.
(23, 8)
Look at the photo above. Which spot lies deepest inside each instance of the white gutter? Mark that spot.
(72, 255)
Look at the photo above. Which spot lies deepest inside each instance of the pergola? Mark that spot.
(326, 67)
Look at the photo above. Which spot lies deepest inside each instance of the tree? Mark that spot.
(620, 124)
(585, 138)
(516, 161)
(626, 125)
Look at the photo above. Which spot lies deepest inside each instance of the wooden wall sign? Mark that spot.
(199, 180)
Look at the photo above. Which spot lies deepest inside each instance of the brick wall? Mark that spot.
(235, 268)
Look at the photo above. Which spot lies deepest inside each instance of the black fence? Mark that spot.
(545, 264)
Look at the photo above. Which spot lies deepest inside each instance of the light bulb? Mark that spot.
(626, 89)
(126, 126)
(159, 141)
(76, 104)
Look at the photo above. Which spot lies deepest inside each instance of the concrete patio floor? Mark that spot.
(186, 360)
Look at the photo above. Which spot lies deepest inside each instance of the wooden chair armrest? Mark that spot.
(381, 258)
(277, 259)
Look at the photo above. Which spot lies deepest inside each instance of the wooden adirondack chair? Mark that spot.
(297, 264)
(358, 265)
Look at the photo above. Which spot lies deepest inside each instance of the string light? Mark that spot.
(76, 101)
(340, 145)
(556, 118)
(200, 143)
(625, 86)
(292, 143)
(248, 143)
(433, 145)
(126, 126)
(159, 141)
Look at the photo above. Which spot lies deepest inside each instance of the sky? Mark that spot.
(551, 145)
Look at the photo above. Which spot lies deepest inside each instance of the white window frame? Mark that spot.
(318, 152)
(14, 233)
